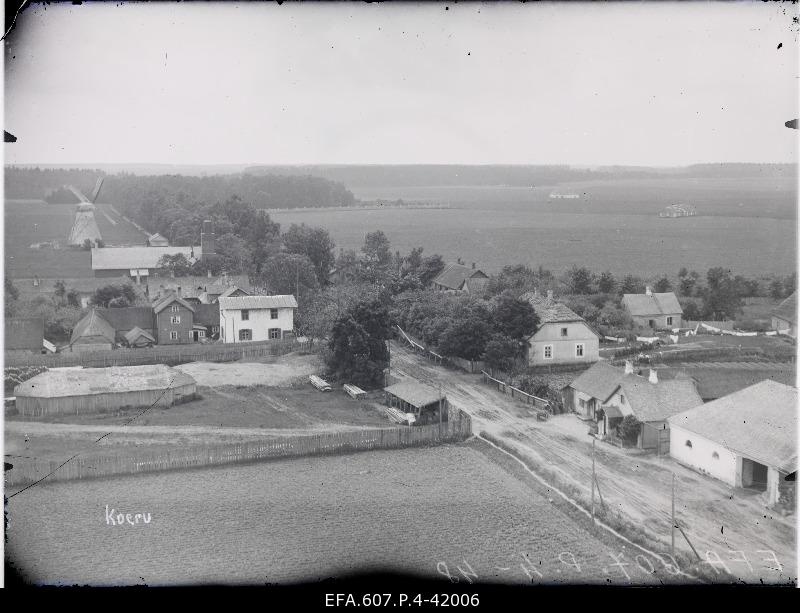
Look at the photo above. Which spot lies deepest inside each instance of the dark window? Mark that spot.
(273, 313)
(563, 331)
(245, 334)
(245, 314)
(274, 333)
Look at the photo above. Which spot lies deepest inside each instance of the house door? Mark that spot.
(195, 336)
(652, 323)
(663, 442)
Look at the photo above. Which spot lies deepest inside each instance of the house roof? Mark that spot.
(658, 401)
(167, 300)
(787, 310)
(116, 379)
(206, 314)
(83, 285)
(231, 290)
(157, 238)
(611, 411)
(258, 302)
(93, 325)
(136, 332)
(454, 275)
(24, 333)
(550, 311)
(599, 381)
(127, 318)
(113, 258)
(759, 422)
(416, 394)
(654, 304)
(193, 286)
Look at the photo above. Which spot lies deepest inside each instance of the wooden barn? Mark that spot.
(92, 390)
(425, 402)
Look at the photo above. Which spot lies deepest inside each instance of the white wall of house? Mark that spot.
(659, 321)
(584, 404)
(700, 456)
(259, 322)
(781, 324)
(551, 345)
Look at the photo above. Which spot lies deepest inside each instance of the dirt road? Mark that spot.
(731, 524)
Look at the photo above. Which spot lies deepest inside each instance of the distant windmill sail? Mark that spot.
(78, 193)
(96, 191)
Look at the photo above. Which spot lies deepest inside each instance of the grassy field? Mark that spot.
(741, 224)
(429, 511)
(34, 221)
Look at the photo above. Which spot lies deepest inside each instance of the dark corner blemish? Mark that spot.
(780, 45)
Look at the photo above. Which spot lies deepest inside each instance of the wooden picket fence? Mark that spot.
(160, 354)
(457, 428)
(539, 403)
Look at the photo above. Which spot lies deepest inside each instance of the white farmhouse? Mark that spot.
(256, 318)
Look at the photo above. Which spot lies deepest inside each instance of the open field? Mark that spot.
(417, 510)
(715, 516)
(270, 370)
(118, 233)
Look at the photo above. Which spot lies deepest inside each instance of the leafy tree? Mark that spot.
(316, 244)
(376, 249)
(11, 297)
(104, 295)
(288, 273)
(632, 284)
(579, 280)
(87, 244)
(465, 338)
(789, 285)
(606, 283)
(357, 347)
(776, 289)
(233, 255)
(691, 311)
(662, 285)
(100, 243)
(513, 317)
(177, 264)
(430, 268)
(516, 278)
(720, 299)
(629, 428)
(502, 352)
(73, 298)
(687, 282)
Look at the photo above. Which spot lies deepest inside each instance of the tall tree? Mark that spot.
(579, 280)
(606, 283)
(662, 285)
(376, 249)
(720, 298)
(288, 273)
(513, 317)
(316, 244)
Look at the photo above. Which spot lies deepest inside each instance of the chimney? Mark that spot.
(648, 291)
(473, 266)
(628, 367)
(653, 376)
(179, 292)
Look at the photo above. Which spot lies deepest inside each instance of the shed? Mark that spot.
(137, 337)
(93, 390)
(92, 333)
(424, 401)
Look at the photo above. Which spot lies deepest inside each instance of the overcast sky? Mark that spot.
(639, 84)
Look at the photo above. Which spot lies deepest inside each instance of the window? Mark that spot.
(174, 308)
(582, 402)
(563, 331)
(715, 455)
(173, 336)
(621, 399)
(214, 329)
(245, 314)
(669, 321)
(175, 319)
(548, 352)
(274, 333)
(245, 334)
(273, 313)
(201, 333)
(579, 350)
(688, 444)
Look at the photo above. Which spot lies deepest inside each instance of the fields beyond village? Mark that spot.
(741, 224)
(459, 510)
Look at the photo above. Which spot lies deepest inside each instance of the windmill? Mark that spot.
(85, 226)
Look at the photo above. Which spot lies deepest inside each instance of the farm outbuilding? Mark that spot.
(92, 390)
(425, 402)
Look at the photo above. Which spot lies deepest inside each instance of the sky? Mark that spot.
(468, 83)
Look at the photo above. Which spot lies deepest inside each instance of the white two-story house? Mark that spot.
(256, 318)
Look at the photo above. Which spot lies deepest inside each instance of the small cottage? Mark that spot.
(654, 310)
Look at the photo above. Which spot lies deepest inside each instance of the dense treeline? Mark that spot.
(42, 183)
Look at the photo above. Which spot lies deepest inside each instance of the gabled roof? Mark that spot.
(24, 333)
(258, 302)
(599, 381)
(93, 325)
(113, 258)
(137, 332)
(127, 318)
(231, 290)
(206, 314)
(787, 310)
(654, 304)
(454, 275)
(759, 422)
(164, 302)
(658, 401)
(416, 394)
(550, 311)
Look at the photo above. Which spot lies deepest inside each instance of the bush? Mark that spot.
(628, 430)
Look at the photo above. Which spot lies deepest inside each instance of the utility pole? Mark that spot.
(593, 479)
(673, 515)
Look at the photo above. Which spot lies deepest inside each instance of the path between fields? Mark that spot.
(716, 517)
